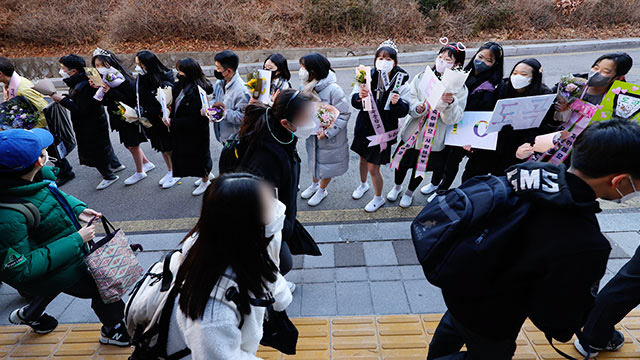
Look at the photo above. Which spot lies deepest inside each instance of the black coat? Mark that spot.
(89, 122)
(190, 133)
(131, 134)
(482, 93)
(147, 90)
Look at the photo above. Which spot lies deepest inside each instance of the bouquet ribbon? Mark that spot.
(381, 137)
(429, 131)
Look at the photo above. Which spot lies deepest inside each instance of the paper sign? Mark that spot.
(472, 130)
(521, 113)
(94, 76)
(431, 87)
(546, 142)
(204, 100)
(454, 80)
(265, 92)
(622, 101)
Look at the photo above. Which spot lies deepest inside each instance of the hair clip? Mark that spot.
(457, 47)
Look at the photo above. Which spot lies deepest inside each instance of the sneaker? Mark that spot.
(65, 179)
(359, 192)
(292, 286)
(117, 336)
(433, 196)
(317, 198)
(428, 189)
(310, 191)
(135, 178)
(146, 167)
(616, 342)
(119, 168)
(170, 182)
(166, 177)
(201, 188)
(199, 181)
(105, 183)
(374, 205)
(394, 193)
(44, 325)
(406, 201)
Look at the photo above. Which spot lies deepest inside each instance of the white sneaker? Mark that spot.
(148, 167)
(106, 183)
(199, 181)
(317, 198)
(394, 193)
(119, 168)
(201, 188)
(292, 286)
(406, 201)
(359, 192)
(433, 196)
(428, 189)
(310, 191)
(135, 178)
(170, 182)
(374, 205)
(166, 177)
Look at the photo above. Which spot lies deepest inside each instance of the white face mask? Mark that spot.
(277, 220)
(63, 73)
(384, 65)
(442, 65)
(626, 198)
(304, 131)
(103, 71)
(519, 81)
(140, 70)
(303, 74)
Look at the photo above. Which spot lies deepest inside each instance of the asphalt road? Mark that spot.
(148, 201)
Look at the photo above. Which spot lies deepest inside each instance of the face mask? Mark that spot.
(277, 221)
(520, 81)
(103, 71)
(384, 65)
(304, 131)
(218, 75)
(480, 66)
(626, 198)
(140, 70)
(63, 73)
(442, 65)
(303, 74)
(596, 79)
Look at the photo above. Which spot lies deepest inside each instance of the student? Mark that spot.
(271, 135)
(230, 93)
(558, 249)
(88, 119)
(131, 134)
(225, 251)
(46, 259)
(280, 74)
(189, 127)
(328, 150)
(386, 60)
(450, 108)
(486, 70)
(152, 74)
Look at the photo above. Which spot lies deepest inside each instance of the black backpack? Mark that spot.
(24, 207)
(231, 154)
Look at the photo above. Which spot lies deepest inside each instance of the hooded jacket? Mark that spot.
(551, 274)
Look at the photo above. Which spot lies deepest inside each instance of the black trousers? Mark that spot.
(451, 335)
(66, 170)
(85, 288)
(443, 174)
(613, 303)
(114, 163)
(286, 260)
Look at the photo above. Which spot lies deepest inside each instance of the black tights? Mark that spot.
(401, 173)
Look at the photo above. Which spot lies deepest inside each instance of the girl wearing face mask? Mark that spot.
(327, 149)
(189, 127)
(152, 74)
(131, 134)
(391, 103)
(280, 74)
(270, 135)
(225, 251)
(450, 108)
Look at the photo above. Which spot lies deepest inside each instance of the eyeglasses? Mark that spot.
(457, 47)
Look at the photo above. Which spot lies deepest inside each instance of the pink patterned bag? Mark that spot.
(113, 264)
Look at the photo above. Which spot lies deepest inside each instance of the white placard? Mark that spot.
(454, 80)
(265, 93)
(431, 87)
(472, 130)
(521, 113)
(204, 100)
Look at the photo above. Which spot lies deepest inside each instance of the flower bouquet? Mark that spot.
(126, 113)
(18, 113)
(326, 115)
(454, 79)
(571, 88)
(216, 113)
(254, 83)
(361, 76)
(113, 79)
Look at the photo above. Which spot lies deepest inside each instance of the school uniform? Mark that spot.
(158, 133)
(131, 134)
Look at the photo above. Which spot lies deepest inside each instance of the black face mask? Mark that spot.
(480, 66)
(274, 74)
(596, 79)
(218, 75)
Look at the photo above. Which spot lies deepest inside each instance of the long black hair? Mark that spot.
(229, 233)
(496, 72)
(110, 58)
(536, 87)
(287, 105)
(317, 65)
(154, 67)
(281, 64)
(193, 74)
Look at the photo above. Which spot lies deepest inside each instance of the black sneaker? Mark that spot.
(65, 179)
(616, 342)
(44, 325)
(117, 335)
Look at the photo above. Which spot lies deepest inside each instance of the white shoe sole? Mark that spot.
(107, 341)
(111, 182)
(359, 196)
(393, 198)
(169, 185)
(199, 181)
(313, 203)
(374, 209)
(129, 182)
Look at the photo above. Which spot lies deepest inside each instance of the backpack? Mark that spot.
(231, 154)
(26, 208)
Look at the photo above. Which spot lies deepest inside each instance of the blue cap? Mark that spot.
(20, 148)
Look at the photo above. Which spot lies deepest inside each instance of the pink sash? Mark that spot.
(429, 131)
(12, 87)
(381, 137)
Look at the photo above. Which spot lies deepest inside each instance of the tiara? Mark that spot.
(102, 52)
(388, 43)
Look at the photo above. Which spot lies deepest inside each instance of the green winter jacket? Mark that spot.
(49, 258)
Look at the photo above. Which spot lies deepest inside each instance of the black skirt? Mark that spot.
(160, 136)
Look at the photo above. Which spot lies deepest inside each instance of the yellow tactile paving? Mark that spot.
(391, 337)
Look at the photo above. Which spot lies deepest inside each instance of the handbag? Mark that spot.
(279, 332)
(112, 264)
(60, 127)
(301, 242)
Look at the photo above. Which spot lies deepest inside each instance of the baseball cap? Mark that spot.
(20, 148)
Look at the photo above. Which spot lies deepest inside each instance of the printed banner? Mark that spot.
(432, 87)
(521, 113)
(381, 137)
(472, 130)
(265, 92)
(622, 101)
(397, 84)
(427, 141)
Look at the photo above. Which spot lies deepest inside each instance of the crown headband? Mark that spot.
(388, 43)
(458, 46)
(102, 52)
